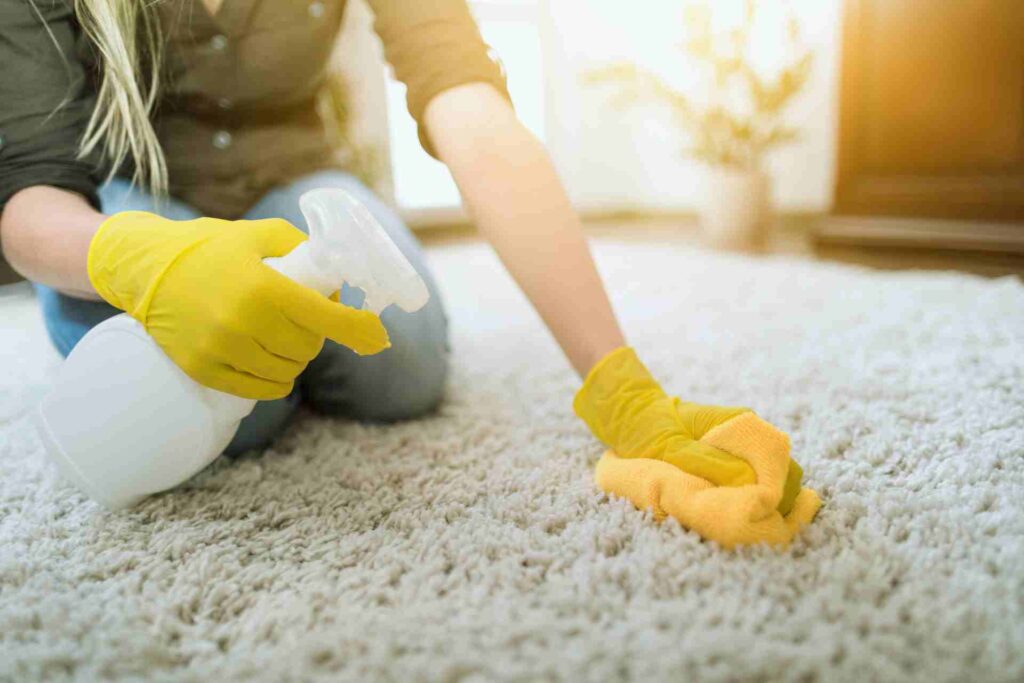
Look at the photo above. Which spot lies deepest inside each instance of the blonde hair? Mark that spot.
(126, 35)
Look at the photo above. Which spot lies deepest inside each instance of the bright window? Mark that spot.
(511, 28)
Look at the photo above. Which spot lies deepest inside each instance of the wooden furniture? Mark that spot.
(931, 126)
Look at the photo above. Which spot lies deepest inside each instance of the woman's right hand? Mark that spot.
(202, 292)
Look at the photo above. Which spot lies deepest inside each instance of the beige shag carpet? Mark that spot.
(473, 546)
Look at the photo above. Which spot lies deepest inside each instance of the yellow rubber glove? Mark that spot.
(723, 472)
(201, 291)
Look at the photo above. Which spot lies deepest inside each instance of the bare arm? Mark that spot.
(45, 233)
(516, 199)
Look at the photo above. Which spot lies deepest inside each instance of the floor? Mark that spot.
(790, 236)
(472, 545)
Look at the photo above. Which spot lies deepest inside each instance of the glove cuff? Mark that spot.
(602, 389)
(129, 254)
(100, 275)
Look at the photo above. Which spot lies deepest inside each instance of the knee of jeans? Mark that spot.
(383, 391)
(405, 396)
(67, 319)
(400, 383)
(260, 427)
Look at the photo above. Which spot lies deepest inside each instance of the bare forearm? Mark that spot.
(514, 195)
(45, 233)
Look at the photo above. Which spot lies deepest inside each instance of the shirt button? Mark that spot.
(222, 139)
(219, 42)
(225, 103)
(316, 9)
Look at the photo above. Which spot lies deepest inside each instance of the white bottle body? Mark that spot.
(123, 421)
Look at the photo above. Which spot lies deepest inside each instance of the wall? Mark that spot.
(613, 159)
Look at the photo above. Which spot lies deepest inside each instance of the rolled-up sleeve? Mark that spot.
(45, 100)
(434, 45)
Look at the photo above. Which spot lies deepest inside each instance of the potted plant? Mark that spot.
(732, 116)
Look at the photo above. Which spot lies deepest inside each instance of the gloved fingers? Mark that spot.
(275, 236)
(791, 489)
(239, 366)
(253, 358)
(805, 507)
(361, 331)
(762, 445)
(248, 385)
(725, 469)
(767, 449)
(698, 419)
(707, 462)
(289, 340)
(230, 380)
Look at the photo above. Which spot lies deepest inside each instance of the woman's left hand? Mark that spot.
(680, 458)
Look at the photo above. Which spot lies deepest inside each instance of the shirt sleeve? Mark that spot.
(434, 45)
(45, 100)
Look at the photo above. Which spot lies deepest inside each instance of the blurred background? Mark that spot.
(613, 158)
(883, 132)
(886, 132)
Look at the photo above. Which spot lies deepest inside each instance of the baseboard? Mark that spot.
(455, 218)
(911, 233)
(983, 248)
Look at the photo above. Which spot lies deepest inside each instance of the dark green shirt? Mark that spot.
(237, 115)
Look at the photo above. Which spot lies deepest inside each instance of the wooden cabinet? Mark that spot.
(932, 122)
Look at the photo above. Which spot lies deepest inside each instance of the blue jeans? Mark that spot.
(404, 381)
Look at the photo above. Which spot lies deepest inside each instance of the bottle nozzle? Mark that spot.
(347, 242)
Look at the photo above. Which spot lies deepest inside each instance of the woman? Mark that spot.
(205, 110)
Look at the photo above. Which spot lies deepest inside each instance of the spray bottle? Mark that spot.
(122, 421)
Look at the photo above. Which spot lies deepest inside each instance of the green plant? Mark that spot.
(718, 132)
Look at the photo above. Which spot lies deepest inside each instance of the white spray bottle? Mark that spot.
(123, 421)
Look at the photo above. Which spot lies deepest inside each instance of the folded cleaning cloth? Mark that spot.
(724, 473)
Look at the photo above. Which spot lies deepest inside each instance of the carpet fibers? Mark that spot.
(473, 546)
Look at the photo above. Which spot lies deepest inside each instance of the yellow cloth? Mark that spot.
(722, 472)
(229, 321)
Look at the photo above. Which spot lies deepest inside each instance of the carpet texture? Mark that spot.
(473, 545)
